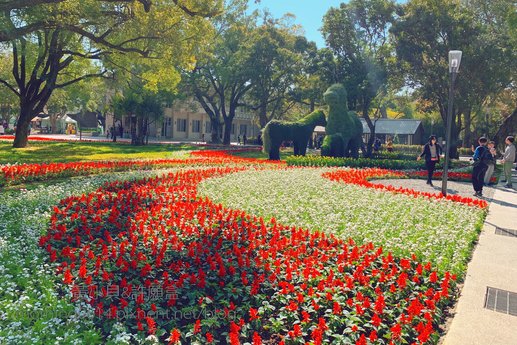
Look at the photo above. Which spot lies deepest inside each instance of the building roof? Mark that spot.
(387, 126)
(86, 120)
(393, 126)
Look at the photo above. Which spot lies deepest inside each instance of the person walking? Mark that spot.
(490, 162)
(432, 151)
(508, 159)
(480, 166)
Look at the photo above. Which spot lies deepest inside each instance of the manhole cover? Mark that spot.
(501, 301)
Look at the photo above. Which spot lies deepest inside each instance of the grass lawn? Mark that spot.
(46, 152)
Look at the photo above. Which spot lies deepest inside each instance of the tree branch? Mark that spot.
(10, 87)
(103, 41)
(94, 75)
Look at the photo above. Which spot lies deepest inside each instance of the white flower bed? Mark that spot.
(438, 231)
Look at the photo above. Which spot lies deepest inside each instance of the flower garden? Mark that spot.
(219, 249)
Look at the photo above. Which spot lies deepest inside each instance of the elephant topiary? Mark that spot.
(344, 129)
(299, 132)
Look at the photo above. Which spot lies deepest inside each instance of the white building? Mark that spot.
(188, 121)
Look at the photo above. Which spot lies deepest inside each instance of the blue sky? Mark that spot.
(309, 13)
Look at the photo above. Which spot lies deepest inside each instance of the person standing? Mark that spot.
(480, 166)
(244, 139)
(508, 159)
(490, 162)
(431, 152)
(389, 145)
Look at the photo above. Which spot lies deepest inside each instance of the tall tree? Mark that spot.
(425, 34)
(46, 38)
(358, 34)
(222, 77)
(277, 57)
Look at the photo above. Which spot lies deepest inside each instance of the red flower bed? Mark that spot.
(361, 177)
(154, 256)
(451, 175)
(19, 173)
(36, 138)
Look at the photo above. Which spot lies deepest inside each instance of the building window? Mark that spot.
(182, 125)
(168, 121)
(233, 128)
(243, 129)
(208, 127)
(196, 126)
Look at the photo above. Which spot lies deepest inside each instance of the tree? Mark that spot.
(143, 107)
(47, 38)
(222, 77)
(357, 33)
(277, 57)
(425, 34)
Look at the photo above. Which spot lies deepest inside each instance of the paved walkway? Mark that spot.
(494, 265)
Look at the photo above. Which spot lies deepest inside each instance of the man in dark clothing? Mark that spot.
(480, 166)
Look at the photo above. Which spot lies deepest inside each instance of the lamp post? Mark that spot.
(454, 66)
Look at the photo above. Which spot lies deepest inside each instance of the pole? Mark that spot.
(448, 134)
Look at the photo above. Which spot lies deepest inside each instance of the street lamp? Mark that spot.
(454, 66)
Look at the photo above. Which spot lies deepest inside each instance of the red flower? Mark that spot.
(257, 340)
(296, 332)
(151, 325)
(175, 336)
(396, 331)
(209, 337)
(361, 340)
(197, 326)
(254, 314)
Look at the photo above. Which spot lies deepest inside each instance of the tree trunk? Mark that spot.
(467, 139)
(139, 131)
(371, 126)
(262, 111)
(227, 130)
(22, 132)
(22, 126)
(312, 106)
(215, 127)
(508, 127)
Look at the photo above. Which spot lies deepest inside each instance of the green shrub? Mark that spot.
(410, 149)
(465, 151)
(299, 132)
(394, 164)
(344, 129)
(318, 161)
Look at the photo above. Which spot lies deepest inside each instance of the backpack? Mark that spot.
(484, 157)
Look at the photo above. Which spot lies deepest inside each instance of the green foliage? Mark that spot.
(299, 132)
(385, 163)
(69, 35)
(277, 56)
(318, 161)
(344, 130)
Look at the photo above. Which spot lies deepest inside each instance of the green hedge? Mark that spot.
(396, 155)
(318, 161)
(410, 149)
(394, 164)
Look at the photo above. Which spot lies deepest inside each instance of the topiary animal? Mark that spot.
(299, 132)
(344, 129)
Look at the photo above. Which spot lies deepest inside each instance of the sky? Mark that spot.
(309, 14)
